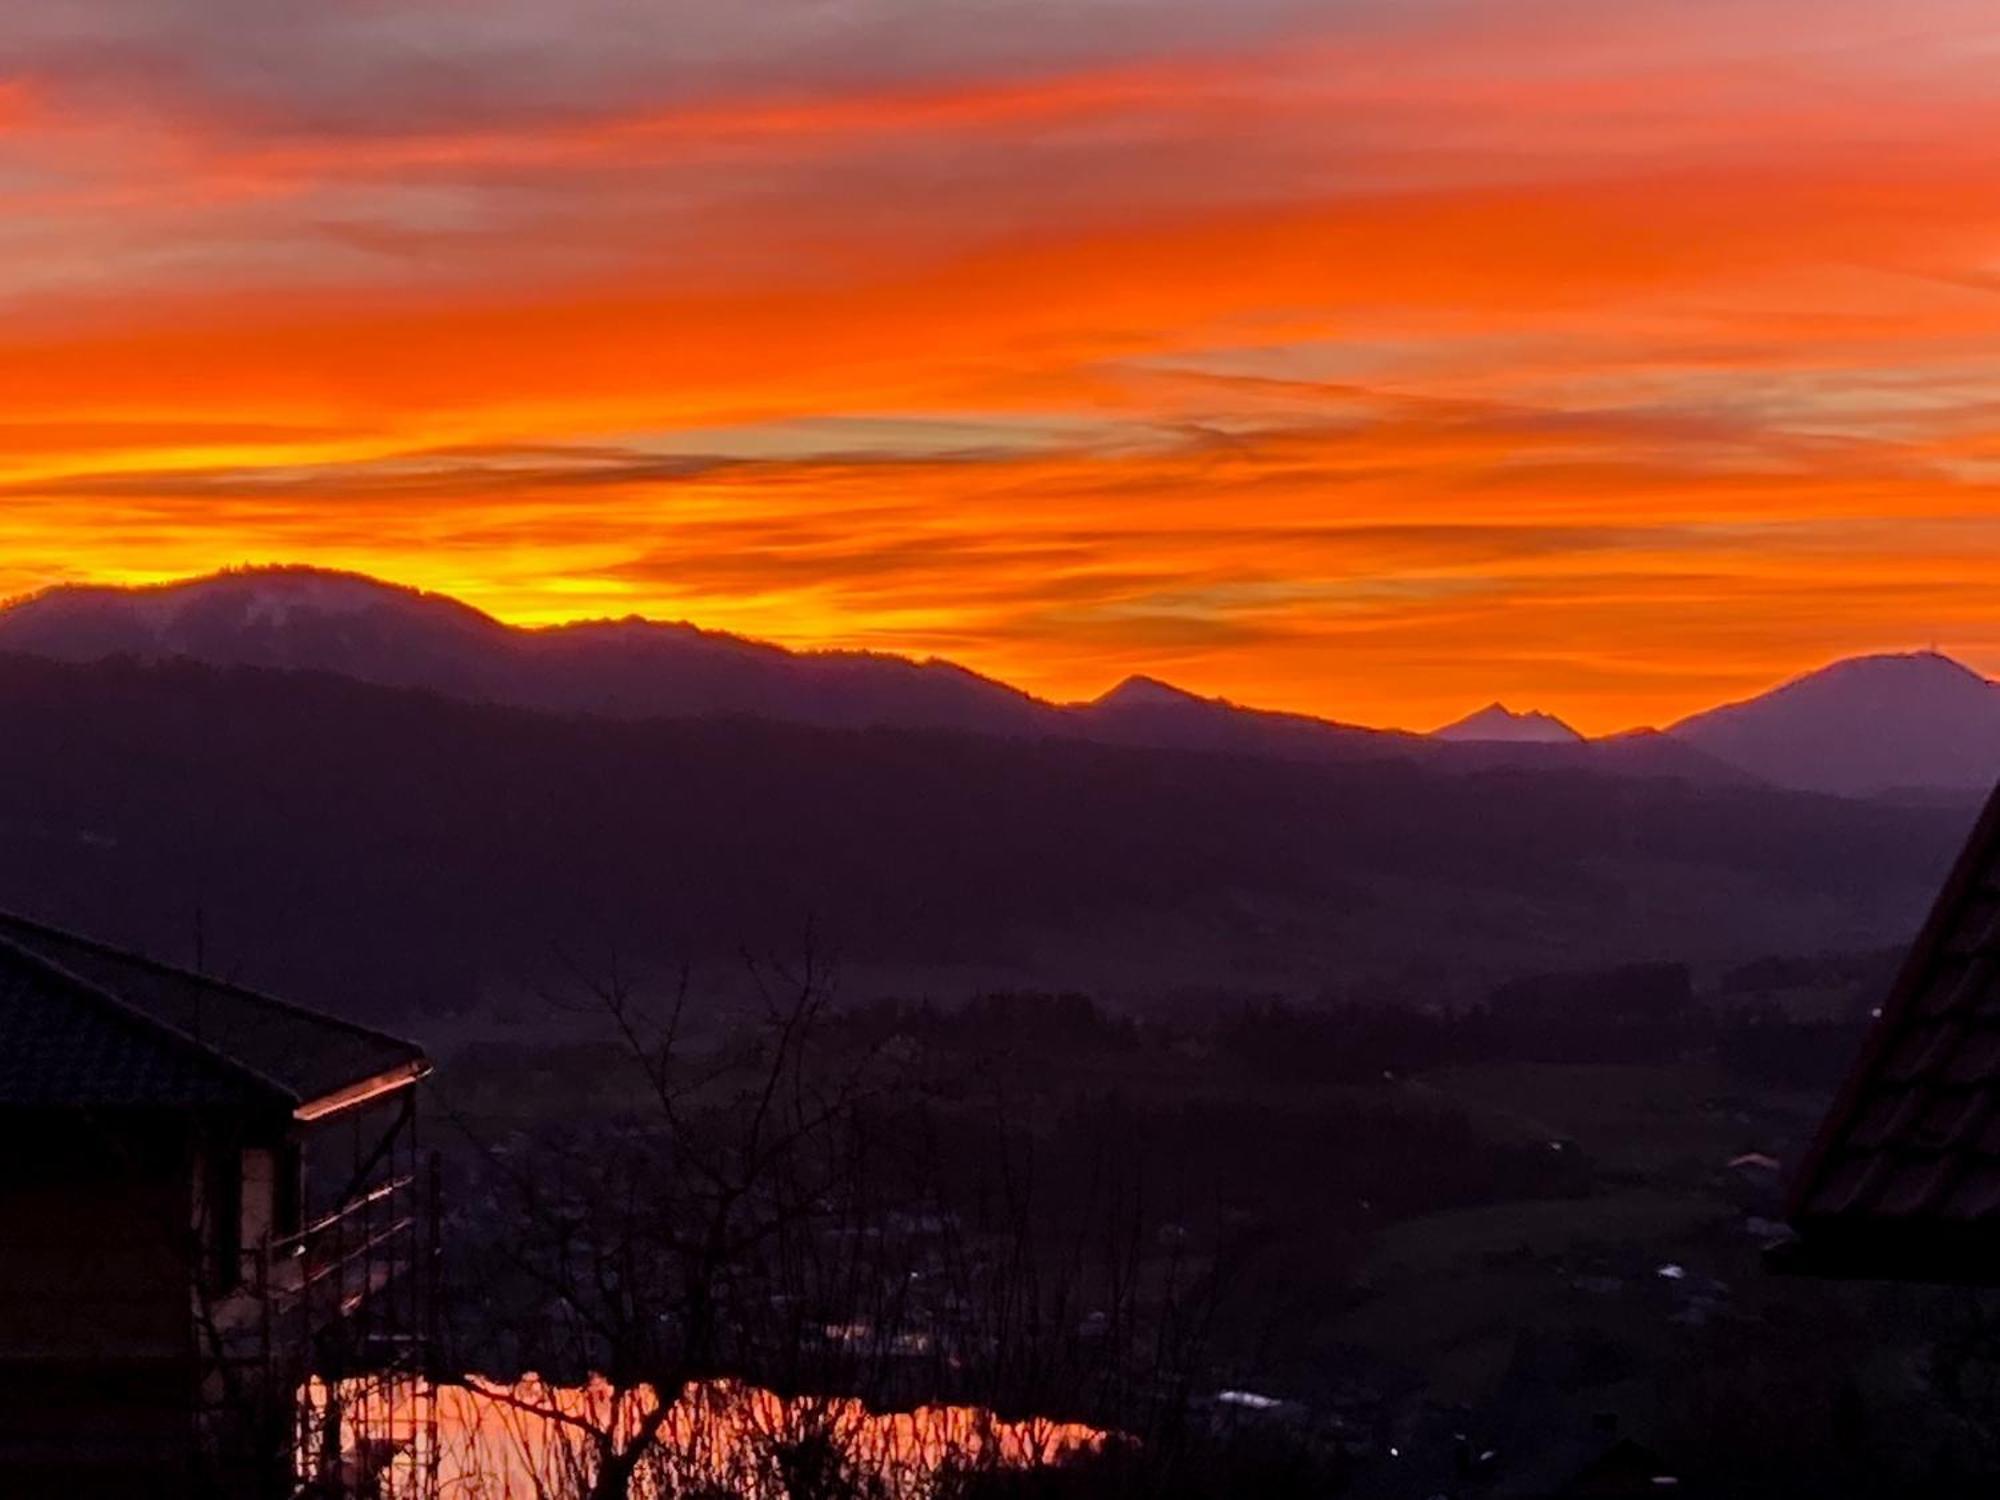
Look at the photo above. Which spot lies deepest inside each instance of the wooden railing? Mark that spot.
(340, 1259)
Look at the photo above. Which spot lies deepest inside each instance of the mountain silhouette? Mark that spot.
(305, 618)
(1865, 726)
(298, 618)
(1141, 692)
(1499, 724)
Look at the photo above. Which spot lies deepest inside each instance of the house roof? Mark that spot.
(85, 1024)
(1903, 1182)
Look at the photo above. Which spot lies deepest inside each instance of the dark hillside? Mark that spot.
(328, 830)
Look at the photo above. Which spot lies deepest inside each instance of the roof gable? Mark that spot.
(84, 1023)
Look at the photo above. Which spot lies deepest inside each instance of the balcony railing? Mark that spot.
(332, 1266)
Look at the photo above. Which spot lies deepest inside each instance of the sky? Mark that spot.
(1370, 358)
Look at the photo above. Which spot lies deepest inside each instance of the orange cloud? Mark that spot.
(1611, 365)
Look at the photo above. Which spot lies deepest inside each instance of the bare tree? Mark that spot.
(771, 1238)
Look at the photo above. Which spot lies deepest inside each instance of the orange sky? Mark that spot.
(1374, 359)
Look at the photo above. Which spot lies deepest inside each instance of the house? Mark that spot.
(208, 1199)
(1903, 1180)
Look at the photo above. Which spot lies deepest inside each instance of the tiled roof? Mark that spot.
(1904, 1179)
(86, 1024)
(55, 1051)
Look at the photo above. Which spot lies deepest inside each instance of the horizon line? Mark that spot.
(375, 580)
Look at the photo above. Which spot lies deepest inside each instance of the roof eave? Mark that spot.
(362, 1091)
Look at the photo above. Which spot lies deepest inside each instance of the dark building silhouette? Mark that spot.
(216, 1234)
(1903, 1181)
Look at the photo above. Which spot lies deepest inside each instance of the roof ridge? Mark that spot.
(147, 1021)
(157, 966)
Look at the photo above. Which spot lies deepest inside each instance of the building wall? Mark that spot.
(121, 1243)
(94, 1261)
(95, 1339)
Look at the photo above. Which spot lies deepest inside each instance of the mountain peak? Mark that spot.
(1863, 725)
(1889, 680)
(1498, 723)
(1141, 691)
(1926, 665)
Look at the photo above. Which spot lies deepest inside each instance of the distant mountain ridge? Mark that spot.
(392, 636)
(305, 618)
(1868, 726)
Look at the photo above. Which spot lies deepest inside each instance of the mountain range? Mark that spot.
(1917, 723)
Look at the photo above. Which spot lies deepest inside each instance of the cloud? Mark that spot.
(372, 70)
(1364, 357)
(1537, 544)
